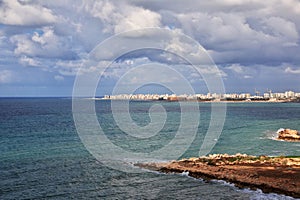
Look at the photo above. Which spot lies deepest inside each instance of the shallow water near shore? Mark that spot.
(42, 155)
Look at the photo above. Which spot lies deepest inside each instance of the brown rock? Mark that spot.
(270, 174)
(288, 135)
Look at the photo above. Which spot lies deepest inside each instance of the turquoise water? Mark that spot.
(42, 155)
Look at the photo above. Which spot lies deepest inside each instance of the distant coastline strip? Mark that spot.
(288, 96)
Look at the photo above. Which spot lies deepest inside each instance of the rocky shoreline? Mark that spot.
(270, 174)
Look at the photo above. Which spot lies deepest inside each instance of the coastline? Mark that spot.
(221, 101)
(287, 96)
(270, 174)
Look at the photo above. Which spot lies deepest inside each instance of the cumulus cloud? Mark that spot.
(138, 18)
(238, 31)
(43, 43)
(14, 12)
(284, 29)
(245, 38)
(122, 17)
(235, 37)
(230, 30)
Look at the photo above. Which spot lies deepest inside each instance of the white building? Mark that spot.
(289, 94)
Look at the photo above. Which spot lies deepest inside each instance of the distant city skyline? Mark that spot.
(266, 96)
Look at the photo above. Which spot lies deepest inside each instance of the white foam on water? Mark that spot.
(260, 195)
(272, 135)
(185, 173)
(257, 194)
(223, 183)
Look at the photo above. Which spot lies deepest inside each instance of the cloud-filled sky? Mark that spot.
(255, 44)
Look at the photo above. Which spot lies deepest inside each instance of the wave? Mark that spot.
(258, 194)
(272, 135)
(255, 194)
(185, 173)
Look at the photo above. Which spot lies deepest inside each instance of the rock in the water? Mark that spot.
(288, 135)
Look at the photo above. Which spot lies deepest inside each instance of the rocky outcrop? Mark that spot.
(288, 135)
(270, 174)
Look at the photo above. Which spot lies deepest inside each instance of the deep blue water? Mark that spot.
(42, 155)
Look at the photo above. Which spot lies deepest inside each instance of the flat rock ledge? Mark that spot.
(270, 174)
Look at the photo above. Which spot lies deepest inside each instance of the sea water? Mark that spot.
(42, 155)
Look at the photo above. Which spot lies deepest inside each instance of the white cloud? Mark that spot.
(237, 68)
(231, 31)
(138, 18)
(14, 12)
(122, 17)
(79, 67)
(179, 48)
(212, 70)
(44, 43)
(27, 61)
(6, 76)
(246, 72)
(292, 71)
(248, 77)
(262, 30)
(282, 26)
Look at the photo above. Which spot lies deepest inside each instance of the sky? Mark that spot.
(45, 45)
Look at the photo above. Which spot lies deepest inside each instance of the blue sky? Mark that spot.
(255, 44)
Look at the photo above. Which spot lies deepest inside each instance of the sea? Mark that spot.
(43, 155)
